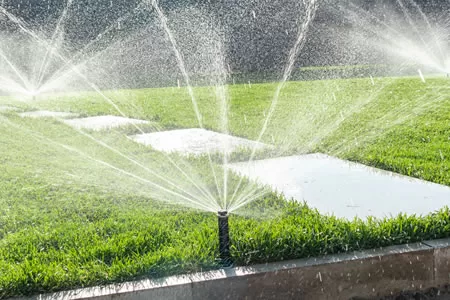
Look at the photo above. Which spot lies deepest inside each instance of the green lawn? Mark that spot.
(78, 209)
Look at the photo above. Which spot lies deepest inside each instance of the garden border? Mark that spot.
(370, 273)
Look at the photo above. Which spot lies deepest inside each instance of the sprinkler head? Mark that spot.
(224, 239)
(222, 213)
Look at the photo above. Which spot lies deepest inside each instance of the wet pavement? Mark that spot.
(346, 189)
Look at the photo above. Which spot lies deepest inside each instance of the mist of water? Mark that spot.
(311, 8)
(315, 123)
(204, 200)
(406, 37)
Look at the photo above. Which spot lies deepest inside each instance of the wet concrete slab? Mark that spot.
(346, 189)
(47, 114)
(103, 122)
(195, 141)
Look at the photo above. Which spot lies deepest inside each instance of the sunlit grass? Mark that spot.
(68, 220)
(351, 118)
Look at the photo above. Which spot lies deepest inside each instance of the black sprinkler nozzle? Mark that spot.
(224, 239)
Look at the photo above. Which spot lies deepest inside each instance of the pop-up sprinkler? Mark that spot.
(224, 239)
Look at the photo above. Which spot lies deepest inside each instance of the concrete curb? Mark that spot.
(371, 273)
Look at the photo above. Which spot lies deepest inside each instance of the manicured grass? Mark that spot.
(69, 220)
(398, 124)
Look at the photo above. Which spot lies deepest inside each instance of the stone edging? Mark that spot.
(371, 273)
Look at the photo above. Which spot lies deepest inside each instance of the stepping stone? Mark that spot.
(7, 108)
(195, 141)
(346, 189)
(47, 114)
(103, 122)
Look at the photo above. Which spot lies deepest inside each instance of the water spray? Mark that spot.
(224, 239)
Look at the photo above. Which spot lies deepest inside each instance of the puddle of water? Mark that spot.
(346, 189)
